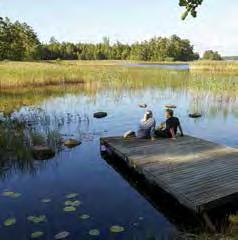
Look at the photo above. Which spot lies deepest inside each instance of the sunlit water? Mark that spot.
(104, 194)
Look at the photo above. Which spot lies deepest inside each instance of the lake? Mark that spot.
(97, 195)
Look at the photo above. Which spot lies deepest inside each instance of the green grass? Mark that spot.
(215, 66)
(27, 83)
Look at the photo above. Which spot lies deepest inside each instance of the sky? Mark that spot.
(216, 26)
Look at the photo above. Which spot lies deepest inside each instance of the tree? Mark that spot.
(18, 41)
(211, 55)
(190, 6)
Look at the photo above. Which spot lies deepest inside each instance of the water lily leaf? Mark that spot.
(69, 209)
(46, 200)
(9, 222)
(117, 229)
(7, 193)
(84, 216)
(73, 203)
(94, 232)
(36, 219)
(11, 194)
(37, 234)
(71, 195)
(62, 235)
(16, 195)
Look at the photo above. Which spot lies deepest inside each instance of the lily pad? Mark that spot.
(37, 234)
(117, 229)
(46, 200)
(69, 209)
(37, 219)
(94, 232)
(9, 222)
(73, 203)
(16, 195)
(71, 195)
(11, 194)
(62, 235)
(84, 216)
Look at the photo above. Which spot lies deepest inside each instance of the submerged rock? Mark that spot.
(41, 152)
(71, 143)
(195, 115)
(129, 134)
(143, 105)
(170, 106)
(99, 114)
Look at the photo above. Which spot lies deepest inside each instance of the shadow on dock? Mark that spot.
(183, 218)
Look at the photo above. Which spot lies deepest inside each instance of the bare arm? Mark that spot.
(181, 130)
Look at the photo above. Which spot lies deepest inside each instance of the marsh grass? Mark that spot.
(215, 66)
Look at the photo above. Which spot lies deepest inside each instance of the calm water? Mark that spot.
(104, 194)
(165, 66)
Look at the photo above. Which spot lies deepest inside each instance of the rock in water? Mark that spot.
(100, 114)
(143, 105)
(71, 143)
(129, 134)
(195, 115)
(41, 152)
(170, 106)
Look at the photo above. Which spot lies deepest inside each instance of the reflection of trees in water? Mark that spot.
(20, 131)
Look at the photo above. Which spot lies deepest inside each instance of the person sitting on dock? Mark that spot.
(147, 126)
(171, 125)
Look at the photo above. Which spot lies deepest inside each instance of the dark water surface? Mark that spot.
(104, 194)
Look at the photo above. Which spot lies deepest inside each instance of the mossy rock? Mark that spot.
(129, 134)
(41, 152)
(99, 114)
(71, 143)
(195, 115)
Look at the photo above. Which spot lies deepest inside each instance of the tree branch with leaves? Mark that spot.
(190, 7)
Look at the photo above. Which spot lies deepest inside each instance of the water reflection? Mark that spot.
(50, 115)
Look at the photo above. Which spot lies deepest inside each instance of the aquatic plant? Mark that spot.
(9, 222)
(37, 219)
(94, 232)
(37, 234)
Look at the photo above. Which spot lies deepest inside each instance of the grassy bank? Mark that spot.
(215, 66)
(55, 73)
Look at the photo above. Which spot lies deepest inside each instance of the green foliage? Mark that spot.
(18, 41)
(212, 55)
(190, 6)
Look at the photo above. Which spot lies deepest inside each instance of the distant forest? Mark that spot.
(18, 41)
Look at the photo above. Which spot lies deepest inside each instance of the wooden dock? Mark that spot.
(198, 173)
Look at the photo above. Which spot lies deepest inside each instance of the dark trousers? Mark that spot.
(162, 134)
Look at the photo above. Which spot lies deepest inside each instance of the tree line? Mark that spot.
(18, 41)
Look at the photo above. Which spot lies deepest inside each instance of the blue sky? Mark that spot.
(216, 26)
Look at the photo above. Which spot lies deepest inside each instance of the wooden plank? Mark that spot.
(198, 173)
